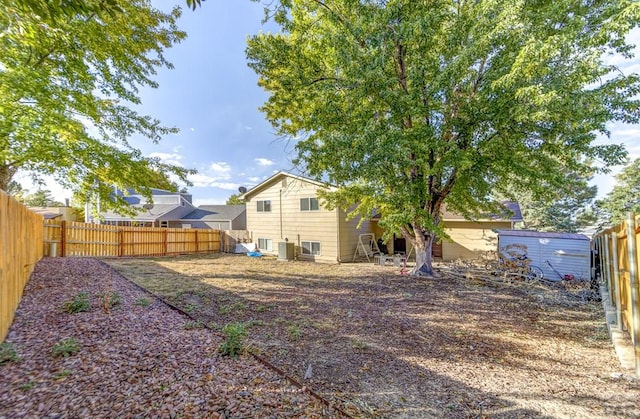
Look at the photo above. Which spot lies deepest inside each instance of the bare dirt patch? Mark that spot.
(385, 345)
(126, 355)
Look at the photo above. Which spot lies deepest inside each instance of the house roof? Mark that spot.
(216, 213)
(542, 234)
(152, 214)
(512, 214)
(277, 177)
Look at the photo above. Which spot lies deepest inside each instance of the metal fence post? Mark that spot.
(616, 278)
(633, 274)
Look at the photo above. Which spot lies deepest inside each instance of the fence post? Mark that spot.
(616, 278)
(633, 282)
(607, 266)
(63, 238)
(120, 242)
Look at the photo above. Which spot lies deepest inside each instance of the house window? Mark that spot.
(265, 244)
(264, 206)
(310, 248)
(164, 224)
(309, 204)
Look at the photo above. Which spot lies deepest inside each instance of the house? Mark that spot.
(66, 213)
(286, 208)
(167, 210)
(471, 238)
(175, 210)
(217, 217)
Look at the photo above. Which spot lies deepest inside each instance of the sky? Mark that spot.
(213, 97)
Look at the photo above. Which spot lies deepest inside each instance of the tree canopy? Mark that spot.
(235, 200)
(68, 92)
(407, 104)
(624, 197)
(568, 209)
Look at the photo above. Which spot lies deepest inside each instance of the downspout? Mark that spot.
(339, 255)
(280, 209)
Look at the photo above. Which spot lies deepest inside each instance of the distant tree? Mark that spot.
(41, 198)
(406, 105)
(624, 197)
(68, 88)
(568, 208)
(235, 200)
(16, 190)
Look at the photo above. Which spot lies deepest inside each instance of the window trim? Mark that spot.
(310, 247)
(264, 204)
(266, 243)
(309, 206)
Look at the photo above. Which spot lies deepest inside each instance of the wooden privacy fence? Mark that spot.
(618, 256)
(21, 235)
(62, 238)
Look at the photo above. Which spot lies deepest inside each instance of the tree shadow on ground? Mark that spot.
(384, 344)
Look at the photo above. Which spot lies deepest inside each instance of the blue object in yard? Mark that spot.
(254, 254)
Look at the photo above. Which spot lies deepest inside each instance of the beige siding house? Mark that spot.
(286, 207)
(468, 239)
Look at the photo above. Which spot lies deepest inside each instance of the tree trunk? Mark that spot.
(422, 244)
(6, 175)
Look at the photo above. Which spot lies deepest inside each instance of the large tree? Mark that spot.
(407, 104)
(624, 197)
(68, 92)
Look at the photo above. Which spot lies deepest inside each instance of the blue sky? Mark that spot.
(212, 96)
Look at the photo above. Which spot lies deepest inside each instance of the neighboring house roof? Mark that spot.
(216, 213)
(277, 177)
(542, 234)
(512, 214)
(159, 211)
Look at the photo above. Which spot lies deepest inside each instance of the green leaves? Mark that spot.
(67, 85)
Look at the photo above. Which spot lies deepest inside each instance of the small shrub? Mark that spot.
(261, 308)
(27, 386)
(66, 347)
(8, 353)
(143, 302)
(294, 332)
(359, 344)
(79, 304)
(110, 299)
(234, 339)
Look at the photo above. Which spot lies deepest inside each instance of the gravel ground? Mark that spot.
(136, 359)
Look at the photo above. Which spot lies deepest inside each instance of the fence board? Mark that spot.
(627, 305)
(21, 235)
(82, 239)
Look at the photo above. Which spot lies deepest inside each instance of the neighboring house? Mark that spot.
(167, 210)
(175, 210)
(56, 213)
(286, 207)
(217, 217)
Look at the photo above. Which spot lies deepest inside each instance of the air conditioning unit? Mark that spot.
(286, 251)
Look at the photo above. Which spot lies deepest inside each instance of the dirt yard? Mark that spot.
(385, 345)
(369, 340)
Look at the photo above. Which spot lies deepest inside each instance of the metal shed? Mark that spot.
(568, 253)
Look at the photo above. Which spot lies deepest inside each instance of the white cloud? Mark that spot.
(192, 129)
(208, 201)
(220, 167)
(201, 180)
(254, 179)
(264, 162)
(169, 158)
